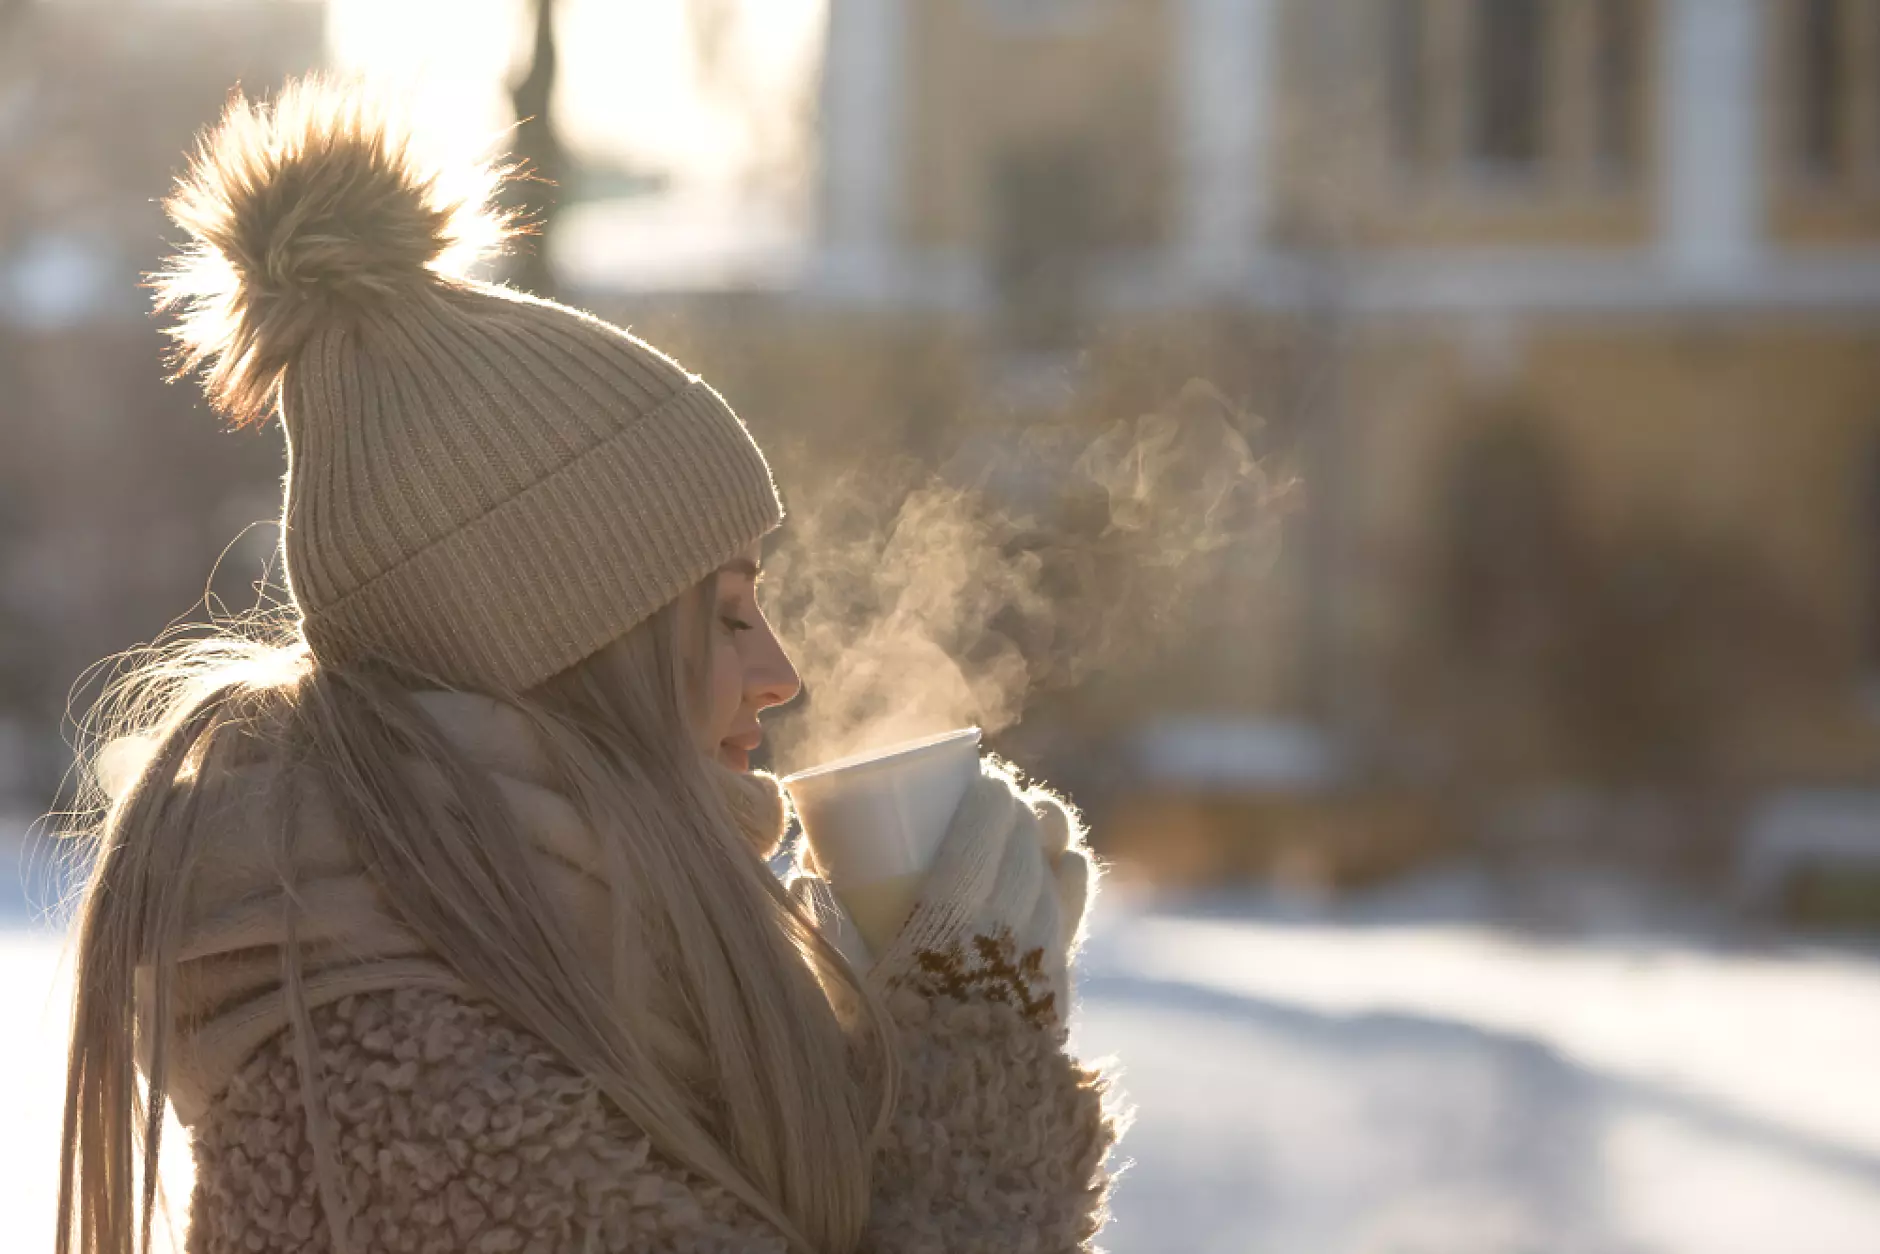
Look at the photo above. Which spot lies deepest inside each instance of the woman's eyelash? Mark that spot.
(734, 623)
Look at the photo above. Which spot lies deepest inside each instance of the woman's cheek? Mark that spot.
(727, 688)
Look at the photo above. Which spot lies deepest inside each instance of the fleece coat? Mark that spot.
(457, 1130)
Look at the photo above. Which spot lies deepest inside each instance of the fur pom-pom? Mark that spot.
(300, 211)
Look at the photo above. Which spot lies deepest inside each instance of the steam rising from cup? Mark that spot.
(915, 601)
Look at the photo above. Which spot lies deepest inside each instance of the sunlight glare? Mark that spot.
(629, 90)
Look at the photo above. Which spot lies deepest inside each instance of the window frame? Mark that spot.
(1818, 31)
(1593, 129)
(1816, 204)
(1479, 111)
(1621, 38)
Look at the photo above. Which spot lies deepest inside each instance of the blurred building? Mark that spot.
(113, 487)
(1568, 312)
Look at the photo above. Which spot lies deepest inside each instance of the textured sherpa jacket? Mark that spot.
(459, 1132)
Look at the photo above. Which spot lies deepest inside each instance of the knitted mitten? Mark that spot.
(1004, 900)
(998, 1136)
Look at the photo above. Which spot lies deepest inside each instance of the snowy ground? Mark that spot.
(1405, 1087)
(1380, 1085)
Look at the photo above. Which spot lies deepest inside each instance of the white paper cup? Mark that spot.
(875, 820)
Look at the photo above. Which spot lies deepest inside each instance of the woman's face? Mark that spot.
(749, 669)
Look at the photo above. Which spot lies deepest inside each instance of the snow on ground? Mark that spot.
(1415, 1087)
(1408, 1086)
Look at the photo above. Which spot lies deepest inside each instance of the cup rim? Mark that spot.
(885, 754)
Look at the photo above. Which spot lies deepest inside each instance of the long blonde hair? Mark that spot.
(730, 1031)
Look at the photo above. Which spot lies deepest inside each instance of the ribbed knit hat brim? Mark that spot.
(571, 562)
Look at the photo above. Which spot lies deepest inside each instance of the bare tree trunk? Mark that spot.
(539, 192)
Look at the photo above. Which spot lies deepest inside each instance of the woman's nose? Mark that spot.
(770, 679)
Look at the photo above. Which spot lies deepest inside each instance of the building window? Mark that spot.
(1618, 36)
(1043, 221)
(1820, 89)
(1509, 66)
(1870, 577)
(1408, 85)
(1498, 93)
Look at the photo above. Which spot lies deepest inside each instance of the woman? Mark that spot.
(444, 924)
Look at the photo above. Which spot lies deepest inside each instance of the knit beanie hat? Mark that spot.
(482, 487)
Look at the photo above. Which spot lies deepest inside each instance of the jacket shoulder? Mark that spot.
(454, 1130)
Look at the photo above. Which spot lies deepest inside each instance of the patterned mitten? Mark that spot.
(998, 1136)
(1003, 904)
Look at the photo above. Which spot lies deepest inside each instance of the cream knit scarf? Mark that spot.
(230, 997)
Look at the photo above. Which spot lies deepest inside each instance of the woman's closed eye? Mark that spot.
(734, 624)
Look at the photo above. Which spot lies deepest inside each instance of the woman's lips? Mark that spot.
(735, 751)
